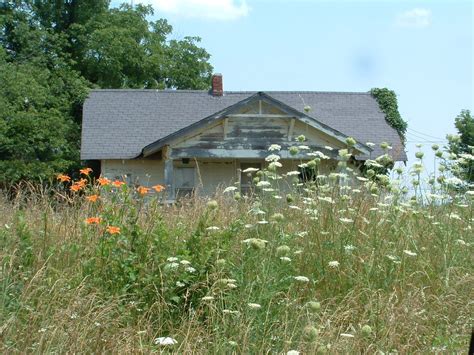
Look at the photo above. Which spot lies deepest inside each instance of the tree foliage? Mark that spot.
(463, 145)
(52, 52)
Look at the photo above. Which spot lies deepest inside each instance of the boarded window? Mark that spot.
(184, 181)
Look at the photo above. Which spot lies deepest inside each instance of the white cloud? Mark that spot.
(416, 18)
(223, 10)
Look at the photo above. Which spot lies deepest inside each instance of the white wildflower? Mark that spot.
(180, 284)
(263, 184)
(229, 311)
(274, 164)
(254, 305)
(230, 189)
(409, 253)
(349, 247)
(346, 220)
(73, 316)
(292, 173)
(303, 147)
(346, 335)
(370, 144)
(207, 298)
(185, 262)
(274, 147)
(172, 259)
(360, 178)
(333, 264)
(293, 352)
(212, 228)
(328, 147)
(190, 269)
(455, 216)
(272, 157)
(301, 278)
(172, 265)
(326, 199)
(165, 341)
(250, 170)
(285, 259)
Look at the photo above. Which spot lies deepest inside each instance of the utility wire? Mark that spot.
(421, 133)
(414, 136)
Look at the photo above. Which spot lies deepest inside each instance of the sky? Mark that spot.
(423, 50)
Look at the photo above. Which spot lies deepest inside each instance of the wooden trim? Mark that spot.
(179, 153)
(226, 127)
(258, 115)
(290, 130)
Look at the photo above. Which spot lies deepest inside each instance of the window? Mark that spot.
(184, 181)
(307, 174)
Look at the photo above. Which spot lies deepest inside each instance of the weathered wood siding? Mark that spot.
(254, 133)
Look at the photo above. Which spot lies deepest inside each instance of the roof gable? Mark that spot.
(246, 105)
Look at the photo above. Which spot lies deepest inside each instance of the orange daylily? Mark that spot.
(76, 187)
(158, 188)
(92, 198)
(63, 178)
(85, 171)
(103, 181)
(118, 183)
(142, 190)
(93, 220)
(113, 230)
(81, 183)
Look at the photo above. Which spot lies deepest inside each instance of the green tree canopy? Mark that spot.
(52, 52)
(463, 145)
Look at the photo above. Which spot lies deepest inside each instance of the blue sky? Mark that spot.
(421, 49)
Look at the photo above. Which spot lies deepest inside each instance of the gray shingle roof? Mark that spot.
(118, 124)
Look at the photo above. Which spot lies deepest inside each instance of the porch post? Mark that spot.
(168, 173)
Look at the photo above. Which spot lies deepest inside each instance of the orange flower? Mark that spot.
(113, 230)
(81, 183)
(85, 171)
(118, 183)
(63, 178)
(92, 198)
(158, 188)
(76, 187)
(103, 181)
(142, 190)
(93, 220)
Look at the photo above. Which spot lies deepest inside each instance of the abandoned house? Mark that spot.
(194, 141)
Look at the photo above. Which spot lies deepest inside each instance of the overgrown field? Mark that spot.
(328, 268)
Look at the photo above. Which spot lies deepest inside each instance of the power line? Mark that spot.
(424, 134)
(413, 136)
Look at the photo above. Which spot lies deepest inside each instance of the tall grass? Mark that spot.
(330, 268)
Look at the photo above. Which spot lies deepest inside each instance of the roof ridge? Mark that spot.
(236, 92)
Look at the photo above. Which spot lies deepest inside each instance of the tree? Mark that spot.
(463, 146)
(120, 48)
(53, 51)
(39, 135)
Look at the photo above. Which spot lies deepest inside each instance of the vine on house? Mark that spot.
(387, 100)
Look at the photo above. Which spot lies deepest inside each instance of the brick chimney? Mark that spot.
(217, 87)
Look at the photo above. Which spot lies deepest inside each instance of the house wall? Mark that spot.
(209, 174)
